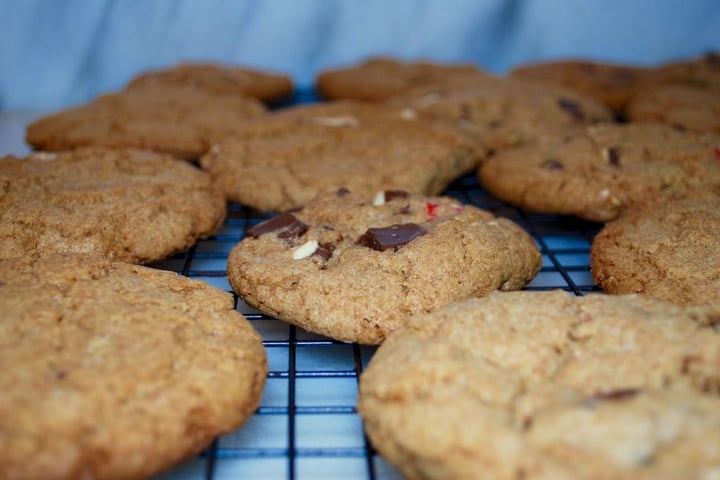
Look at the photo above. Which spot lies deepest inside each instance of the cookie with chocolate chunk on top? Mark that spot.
(598, 172)
(217, 78)
(611, 84)
(546, 385)
(354, 267)
(285, 159)
(503, 113)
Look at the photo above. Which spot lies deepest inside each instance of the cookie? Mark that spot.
(128, 205)
(222, 79)
(164, 118)
(598, 172)
(379, 78)
(285, 159)
(544, 385)
(702, 71)
(354, 267)
(669, 251)
(685, 106)
(504, 113)
(113, 370)
(610, 84)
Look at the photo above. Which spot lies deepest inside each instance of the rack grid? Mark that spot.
(307, 426)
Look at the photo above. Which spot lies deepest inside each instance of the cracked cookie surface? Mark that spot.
(287, 158)
(113, 370)
(598, 172)
(354, 267)
(543, 385)
(128, 205)
(668, 250)
(163, 118)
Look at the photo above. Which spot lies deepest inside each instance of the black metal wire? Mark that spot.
(193, 263)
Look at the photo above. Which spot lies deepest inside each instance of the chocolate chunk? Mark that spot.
(394, 236)
(613, 156)
(712, 60)
(286, 223)
(552, 164)
(390, 194)
(325, 250)
(572, 108)
(612, 395)
(342, 192)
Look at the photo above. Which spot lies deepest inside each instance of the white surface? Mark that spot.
(12, 131)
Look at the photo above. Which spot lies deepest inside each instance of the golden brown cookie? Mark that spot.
(379, 78)
(285, 159)
(608, 83)
(222, 79)
(501, 113)
(112, 370)
(598, 172)
(128, 205)
(685, 106)
(164, 118)
(544, 385)
(669, 250)
(354, 267)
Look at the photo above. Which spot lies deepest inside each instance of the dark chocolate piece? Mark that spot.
(325, 250)
(394, 236)
(391, 194)
(552, 164)
(290, 227)
(618, 395)
(572, 108)
(613, 155)
(342, 192)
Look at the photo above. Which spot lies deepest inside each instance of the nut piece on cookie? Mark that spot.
(355, 269)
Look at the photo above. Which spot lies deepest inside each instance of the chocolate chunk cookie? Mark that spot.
(285, 159)
(164, 118)
(380, 78)
(129, 205)
(112, 370)
(354, 267)
(505, 112)
(546, 385)
(610, 84)
(598, 172)
(669, 250)
(223, 79)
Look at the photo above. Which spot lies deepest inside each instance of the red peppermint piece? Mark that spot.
(431, 209)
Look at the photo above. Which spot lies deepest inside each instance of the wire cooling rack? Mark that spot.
(307, 426)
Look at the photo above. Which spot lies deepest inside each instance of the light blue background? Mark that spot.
(56, 53)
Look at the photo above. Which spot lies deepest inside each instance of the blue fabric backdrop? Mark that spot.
(56, 53)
